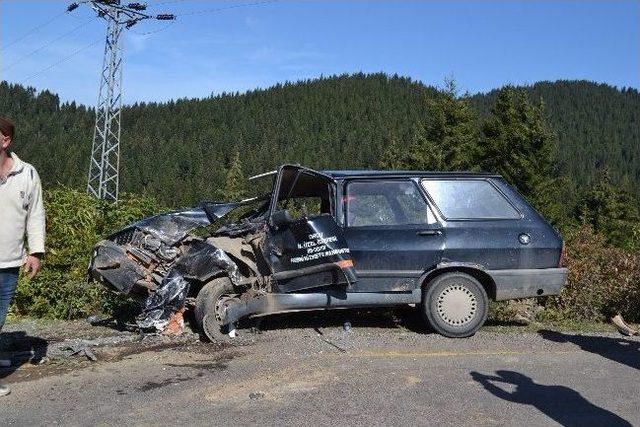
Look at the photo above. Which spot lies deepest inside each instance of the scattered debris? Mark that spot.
(321, 336)
(622, 326)
(97, 320)
(175, 326)
(82, 348)
(256, 395)
(519, 318)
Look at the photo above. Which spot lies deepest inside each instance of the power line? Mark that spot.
(22, 58)
(159, 30)
(220, 9)
(36, 28)
(66, 58)
(167, 2)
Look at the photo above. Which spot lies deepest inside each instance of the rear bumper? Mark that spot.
(526, 283)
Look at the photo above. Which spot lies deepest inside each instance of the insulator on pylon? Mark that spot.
(165, 17)
(137, 6)
(72, 7)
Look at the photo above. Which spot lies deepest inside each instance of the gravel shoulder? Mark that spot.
(304, 369)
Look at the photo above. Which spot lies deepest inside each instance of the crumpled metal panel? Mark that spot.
(202, 261)
(111, 265)
(166, 300)
(174, 226)
(169, 227)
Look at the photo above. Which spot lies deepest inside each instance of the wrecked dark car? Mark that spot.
(446, 242)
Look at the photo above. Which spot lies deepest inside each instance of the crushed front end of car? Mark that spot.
(157, 258)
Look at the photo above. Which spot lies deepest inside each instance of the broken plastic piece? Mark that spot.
(622, 326)
(82, 349)
(175, 326)
(256, 395)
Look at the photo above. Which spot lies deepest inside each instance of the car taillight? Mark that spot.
(562, 262)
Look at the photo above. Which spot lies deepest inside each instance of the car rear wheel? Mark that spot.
(455, 305)
(210, 304)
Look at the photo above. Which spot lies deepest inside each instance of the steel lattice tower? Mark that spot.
(105, 152)
(104, 167)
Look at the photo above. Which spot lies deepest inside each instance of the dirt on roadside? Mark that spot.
(39, 348)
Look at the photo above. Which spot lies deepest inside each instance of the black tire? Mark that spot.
(455, 305)
(205, 309)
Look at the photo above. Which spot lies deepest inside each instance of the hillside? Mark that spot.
(178, 151)
(597, 125)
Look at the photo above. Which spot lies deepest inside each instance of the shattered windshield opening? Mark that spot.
(249, 210)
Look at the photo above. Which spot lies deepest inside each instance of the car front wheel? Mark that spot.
(455, 304)
(210, 303)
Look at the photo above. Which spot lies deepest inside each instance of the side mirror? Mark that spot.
(281, 218)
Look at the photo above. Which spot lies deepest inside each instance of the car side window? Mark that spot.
(469, 199)
(386, 202)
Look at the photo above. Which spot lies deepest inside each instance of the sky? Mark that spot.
(482, 45)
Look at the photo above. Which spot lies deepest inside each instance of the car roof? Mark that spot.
(364, 173)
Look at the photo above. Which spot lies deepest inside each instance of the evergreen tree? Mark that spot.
(612, 212)
(235, 187)
(446, 140)
(393, 157)
(519, 145)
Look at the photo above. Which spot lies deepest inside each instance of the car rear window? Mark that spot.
(386, 202)
(469, 199)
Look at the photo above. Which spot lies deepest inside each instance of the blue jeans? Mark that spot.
(8, 283)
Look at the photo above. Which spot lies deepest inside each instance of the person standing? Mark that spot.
(21, 215)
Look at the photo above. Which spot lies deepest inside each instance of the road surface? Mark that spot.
(319, 374)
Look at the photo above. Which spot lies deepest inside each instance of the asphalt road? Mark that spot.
(318, 374)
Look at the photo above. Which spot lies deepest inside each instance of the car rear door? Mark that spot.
(391, 232)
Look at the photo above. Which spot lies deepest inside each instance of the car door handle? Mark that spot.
(429, 233)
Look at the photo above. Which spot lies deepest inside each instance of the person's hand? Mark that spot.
(31, 265)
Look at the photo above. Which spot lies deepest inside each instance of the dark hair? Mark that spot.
(7, 127)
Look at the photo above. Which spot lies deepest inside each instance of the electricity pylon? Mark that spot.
(104, 167)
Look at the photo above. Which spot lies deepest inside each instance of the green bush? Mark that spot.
(75, 222)
(603, 280)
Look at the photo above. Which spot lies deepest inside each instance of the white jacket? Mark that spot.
(21, 212)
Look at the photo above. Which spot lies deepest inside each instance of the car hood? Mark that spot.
(172, 227)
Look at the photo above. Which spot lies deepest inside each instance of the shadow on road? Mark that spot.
(20, 348)
(562, 404)
(407, 318)
(621, 350)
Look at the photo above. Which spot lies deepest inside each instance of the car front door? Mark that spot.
(392, 233)
(305, 247)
